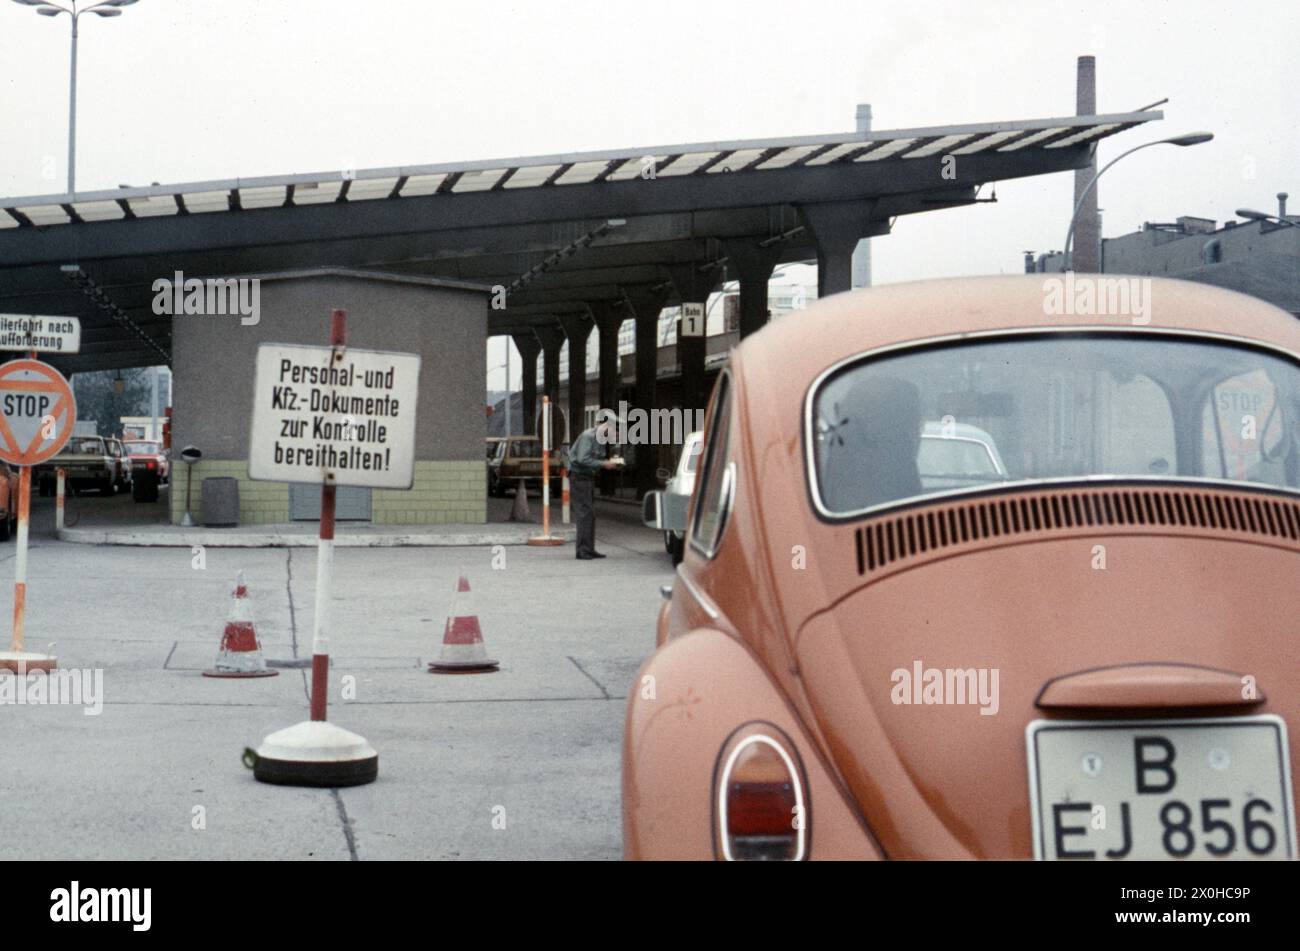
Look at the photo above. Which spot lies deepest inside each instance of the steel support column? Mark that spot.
(608, 317)
(577, 328)
(528, 347)
(693, 286)
(754, 266)
(836, 228)
(646, 305)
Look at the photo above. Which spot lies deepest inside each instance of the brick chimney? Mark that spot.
(1085, 252)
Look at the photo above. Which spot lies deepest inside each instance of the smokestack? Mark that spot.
(1085, 253)
(862, 118)
(860, 268)
(1281, 204)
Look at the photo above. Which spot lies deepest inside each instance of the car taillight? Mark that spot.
(762, 815)
(150, 464)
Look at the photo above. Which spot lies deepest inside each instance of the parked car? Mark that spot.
(954, 455)
(8, 500)
(150, 468)
(677, 496)
(1089, 652)
(121, 463)
(89, 462)
(520, 457)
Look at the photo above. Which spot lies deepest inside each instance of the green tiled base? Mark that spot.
(444, 492)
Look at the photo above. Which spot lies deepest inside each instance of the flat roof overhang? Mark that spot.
(562, 231)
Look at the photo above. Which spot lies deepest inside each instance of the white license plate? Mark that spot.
(1161, 789)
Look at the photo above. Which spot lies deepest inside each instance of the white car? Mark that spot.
(677, 496)
(957, 455)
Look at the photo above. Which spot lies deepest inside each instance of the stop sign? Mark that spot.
(37, 412)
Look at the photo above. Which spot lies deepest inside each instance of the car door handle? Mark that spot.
(1150, 686)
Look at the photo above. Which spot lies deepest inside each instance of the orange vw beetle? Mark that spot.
(1000, 568)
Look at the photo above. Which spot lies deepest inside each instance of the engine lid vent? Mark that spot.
(887, 540)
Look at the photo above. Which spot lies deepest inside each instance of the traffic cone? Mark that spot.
(463, 651)
(240, 653)
(519, 511)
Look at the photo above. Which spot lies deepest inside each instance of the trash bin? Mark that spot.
(221, 502)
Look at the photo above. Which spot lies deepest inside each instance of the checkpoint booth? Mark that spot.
(444, 322)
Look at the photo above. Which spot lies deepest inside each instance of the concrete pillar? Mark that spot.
(693, 286)
(528, 347)
(836, 228)
(1085, 255)
(754, 266)
(577, 328)
(646, 305)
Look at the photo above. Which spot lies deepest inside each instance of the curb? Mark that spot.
(220, 539)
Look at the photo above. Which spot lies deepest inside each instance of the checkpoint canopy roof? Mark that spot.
(561, 232)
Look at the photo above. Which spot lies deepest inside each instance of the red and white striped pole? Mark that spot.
(17, 658)
(20, 557)
(546, 466)
(546, 538)
(60, 486)
(564, 479)
(320, 643)
(314, 752)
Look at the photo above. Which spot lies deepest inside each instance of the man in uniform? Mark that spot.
(589, 455)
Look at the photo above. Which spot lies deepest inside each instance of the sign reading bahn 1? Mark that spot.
(338, 417)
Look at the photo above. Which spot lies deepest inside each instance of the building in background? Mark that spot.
(1260, 258)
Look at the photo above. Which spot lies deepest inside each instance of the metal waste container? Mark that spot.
(221, 502)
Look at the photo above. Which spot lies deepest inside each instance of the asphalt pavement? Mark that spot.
(519, 764)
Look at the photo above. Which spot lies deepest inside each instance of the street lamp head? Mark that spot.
(1191, 138)
(107, 13)
(29, 3)
(119, 3)
(1252, 214)
(49, 11)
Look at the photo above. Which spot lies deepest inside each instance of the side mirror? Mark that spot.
(662, 474)
(652, 510)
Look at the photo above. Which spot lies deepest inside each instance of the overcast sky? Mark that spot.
(188, 90)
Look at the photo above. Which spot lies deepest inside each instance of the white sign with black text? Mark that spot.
(352, 417)
(692, 319)
(41, 334)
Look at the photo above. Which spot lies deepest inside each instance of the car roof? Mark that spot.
(940, 430)
(791, 351)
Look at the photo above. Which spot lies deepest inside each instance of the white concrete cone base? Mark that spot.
(29, 661)
(314, 753)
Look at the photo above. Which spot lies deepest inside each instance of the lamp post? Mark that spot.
(1192, 138)
(1265, 216)
(108, 8)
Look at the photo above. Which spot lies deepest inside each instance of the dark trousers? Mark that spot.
(582, 490)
